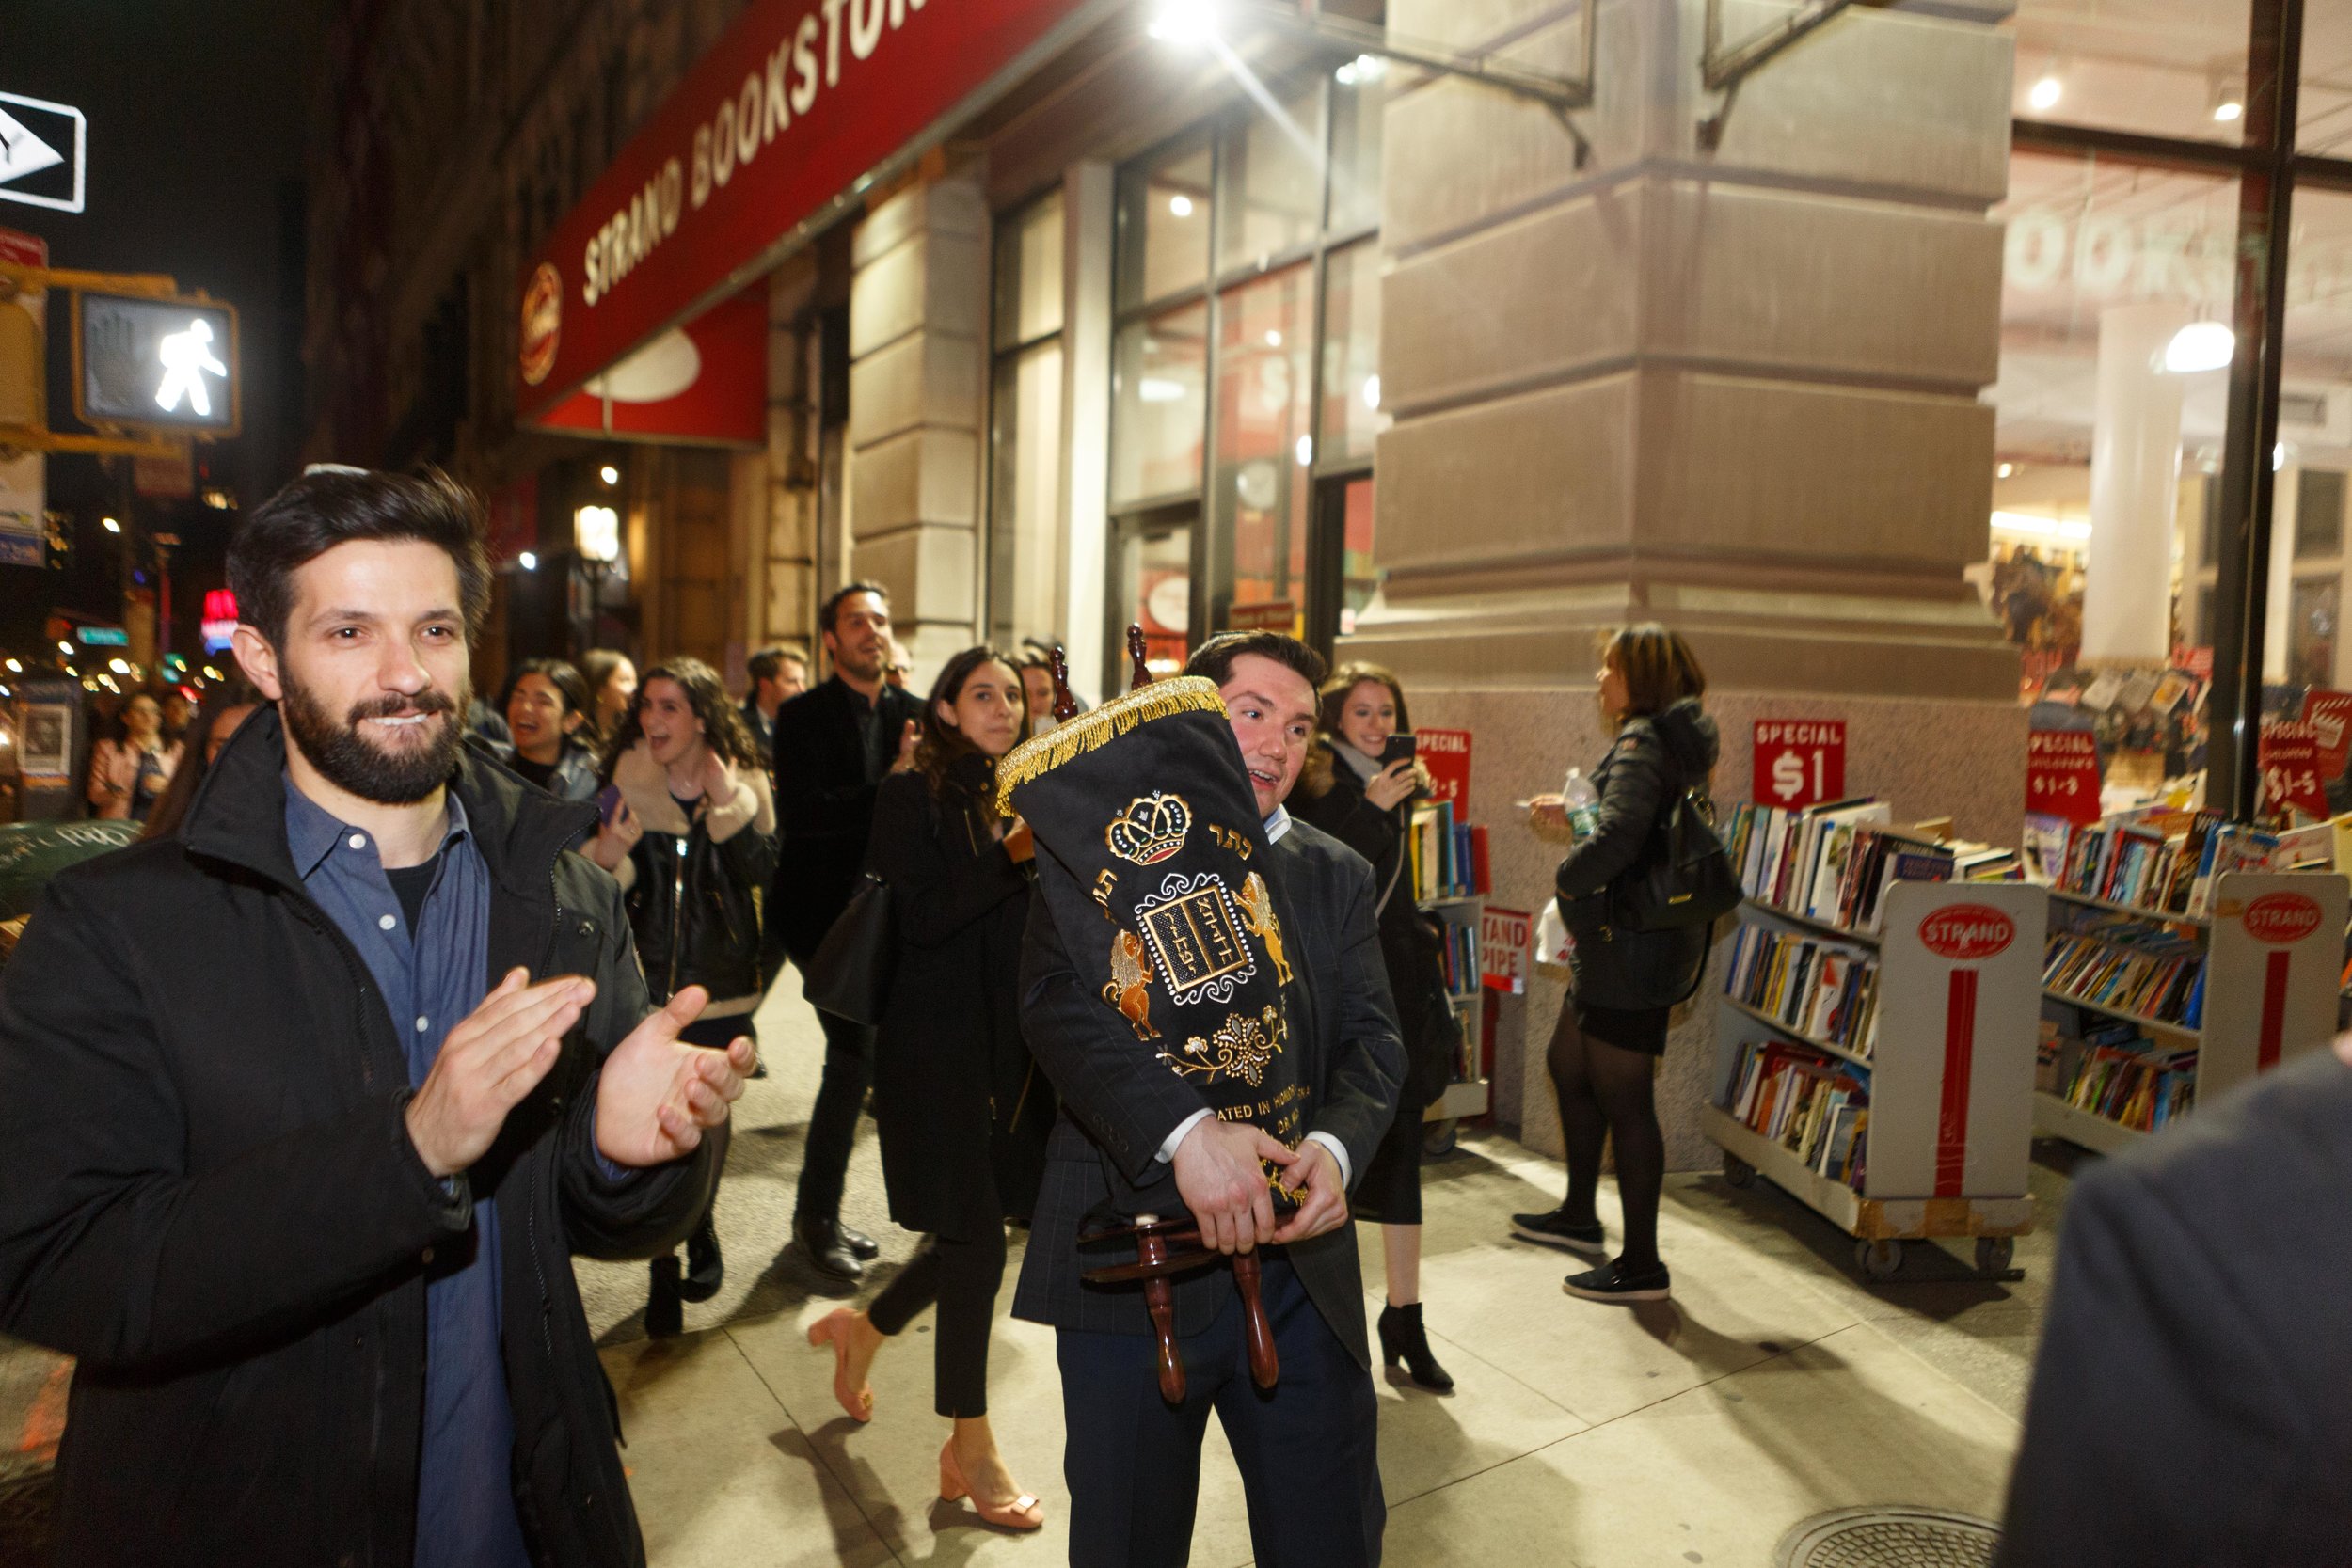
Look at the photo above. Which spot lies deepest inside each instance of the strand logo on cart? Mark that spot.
(1967, 933)
(1799, 762)
(2282, 919)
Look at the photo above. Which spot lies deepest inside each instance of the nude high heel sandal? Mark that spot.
(834, 1327)
(1023, 1512)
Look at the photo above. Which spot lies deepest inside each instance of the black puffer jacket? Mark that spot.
(690, 883)
(1652, 762)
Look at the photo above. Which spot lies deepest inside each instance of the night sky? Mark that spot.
(198, 114)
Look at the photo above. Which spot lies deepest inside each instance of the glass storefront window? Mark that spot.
(1358, 581)
(1264, 445)
(1360, 93)
(1159, 381)
(1164, 226)
(1270, 181)
(1025, 504)
(1154, 577)
(1029, 273)
(1352, 415)
(2167, 68)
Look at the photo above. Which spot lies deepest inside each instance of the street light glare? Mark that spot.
(529, 561)
(1184, 22)
(110, 525)
(610, 474)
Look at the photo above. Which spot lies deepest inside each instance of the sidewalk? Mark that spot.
(1774, 1386)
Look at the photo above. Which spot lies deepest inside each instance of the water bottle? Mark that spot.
(1581, 802)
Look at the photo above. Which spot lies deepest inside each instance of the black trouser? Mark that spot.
(962, 1276)
(1307, 1449)
(833, 1120)
(717, 1034)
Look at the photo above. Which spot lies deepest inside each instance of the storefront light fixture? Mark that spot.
(2026, 523)
(1184, 22)
(1180, 204)
(528, 561)
(1371, 392)
(2003, 470)
(1273, 339)
(2046, 93)
(610, 474)
(1364, 68)
(1153, 389)
(1305, 450)
(2278, 457)
(2229, 108)
(110, 525)
(596, 529)
(2200, 346)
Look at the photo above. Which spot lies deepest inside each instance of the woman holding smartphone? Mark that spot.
(1358, 785)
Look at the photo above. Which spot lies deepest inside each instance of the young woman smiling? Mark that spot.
(694, 834)
(964, 1110)
(546, 711)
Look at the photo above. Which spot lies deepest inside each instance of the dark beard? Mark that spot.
(349, 761)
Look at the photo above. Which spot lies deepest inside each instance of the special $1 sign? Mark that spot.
(1799, 762)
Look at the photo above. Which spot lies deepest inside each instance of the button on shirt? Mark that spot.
(433, 975)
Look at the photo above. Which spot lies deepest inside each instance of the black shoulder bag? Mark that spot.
(850, 976)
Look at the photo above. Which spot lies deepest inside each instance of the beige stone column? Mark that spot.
(1732, 389)
(918, 306)
(785, 606)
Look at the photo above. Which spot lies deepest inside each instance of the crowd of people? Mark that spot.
(320, 1236)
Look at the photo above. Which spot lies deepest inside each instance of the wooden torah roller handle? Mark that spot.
(1157, 1263)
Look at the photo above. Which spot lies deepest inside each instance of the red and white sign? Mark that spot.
(1799, 762)
(2271, 974)
(1446, 754)
(1967, 933)
(797, 103)
(704, 382)
(2330, 716)
(1504, 936)
(1265, 615)
(2291, 769)
(2282, 919)
(2062, 775)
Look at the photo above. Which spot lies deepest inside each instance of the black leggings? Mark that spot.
(962, 1276)
(1604, 1091)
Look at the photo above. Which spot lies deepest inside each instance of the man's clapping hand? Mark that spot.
(1222, 1182)
(655, 1096)
(493, 1058)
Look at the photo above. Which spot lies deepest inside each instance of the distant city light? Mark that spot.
(110, 525)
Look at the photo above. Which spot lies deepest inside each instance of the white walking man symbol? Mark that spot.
(186, 357)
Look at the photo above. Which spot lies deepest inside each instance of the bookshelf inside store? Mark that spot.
(1447, 862)
(1868, 963)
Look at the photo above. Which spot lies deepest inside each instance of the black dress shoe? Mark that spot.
(1403, 1338)
(664, 1314)
(706, 1270)
(821, 1244)
(858, 1242)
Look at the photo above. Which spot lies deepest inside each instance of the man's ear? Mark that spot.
(257, 659)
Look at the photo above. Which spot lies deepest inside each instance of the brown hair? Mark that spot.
(331, 506)
(938, 748)
(723, 721)
(1316, 777)
(1658, 667)
(1213, 659)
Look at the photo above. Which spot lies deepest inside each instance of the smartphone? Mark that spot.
(1399, 748)
(608, 803)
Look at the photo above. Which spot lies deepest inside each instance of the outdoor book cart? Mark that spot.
(1944, 1150)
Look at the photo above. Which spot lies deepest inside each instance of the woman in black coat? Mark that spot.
(1612, 1027)
(1347, 791)
(962, 1109)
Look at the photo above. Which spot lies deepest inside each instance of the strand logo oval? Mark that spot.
(2282, 918)
(1967, 932)
(543, 324)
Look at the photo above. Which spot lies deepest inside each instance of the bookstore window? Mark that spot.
(1025, 427)
(2156, 67)
(1244, 391)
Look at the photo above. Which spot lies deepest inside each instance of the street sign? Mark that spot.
(169, 363)
(1799, 762)
(43, 153)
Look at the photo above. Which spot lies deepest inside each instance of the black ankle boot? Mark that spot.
(706, 1270)
(1403, 1338)
(665, 1315)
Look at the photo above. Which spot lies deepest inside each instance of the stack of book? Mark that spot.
(1817, 988)
(1448, 858)
(2143, 970)
(1834, 862)
(1816, 1108)
(1458, 958)
(2231, 846)
(2148, 862)
(2126, 1078)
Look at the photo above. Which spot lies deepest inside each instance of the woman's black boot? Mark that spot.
(706, 1270)
(666, 1312)
(1403, 1338)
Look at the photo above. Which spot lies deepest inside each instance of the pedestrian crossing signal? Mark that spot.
(160, 363)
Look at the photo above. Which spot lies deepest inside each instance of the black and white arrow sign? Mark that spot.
(42, 152)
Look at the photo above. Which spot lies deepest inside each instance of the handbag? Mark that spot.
(1689, 884)
(850, 976)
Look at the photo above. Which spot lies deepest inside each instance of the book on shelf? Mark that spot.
(2145, 858)
(1815, 1107)
(2116, 961)
(1447, 858)
(1814, 987)
(2230, 847)
(2121, 1075)
(1834, 863)
(1458, 958)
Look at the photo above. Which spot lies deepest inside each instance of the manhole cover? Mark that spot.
(1890, 1537)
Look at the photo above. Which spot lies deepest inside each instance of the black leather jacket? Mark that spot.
(690, 882)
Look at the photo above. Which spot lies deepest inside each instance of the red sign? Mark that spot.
(2282, 918)
(1799, 762)
(707, 381)
(1446, 754)
(2329, 715)
(2291, 769)
(1967, 933)
(1504, 936)
(2062, 775)
(796, 104)
(1269, 615)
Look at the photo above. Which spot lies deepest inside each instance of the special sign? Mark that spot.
(2291, 769)
(1799, 762)
(2062, 775)
(796, 104)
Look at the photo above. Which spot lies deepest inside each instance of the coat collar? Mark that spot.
(238, 813)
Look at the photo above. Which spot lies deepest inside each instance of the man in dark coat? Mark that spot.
(2188, 1399)
(1306, 1450)
(303, 1110)
(833, 745)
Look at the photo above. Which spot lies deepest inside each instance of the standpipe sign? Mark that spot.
(794, 105)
